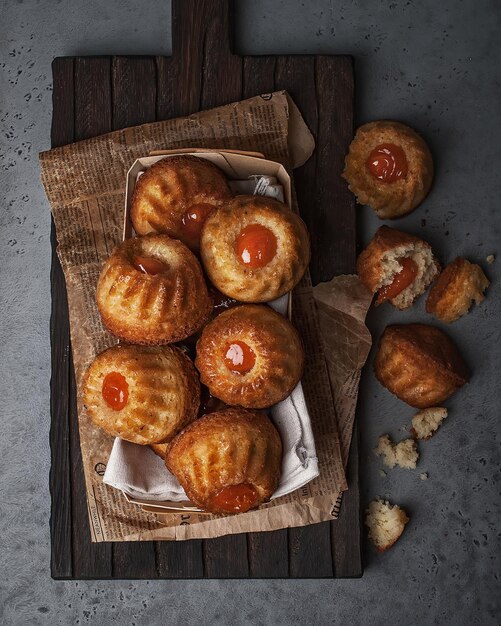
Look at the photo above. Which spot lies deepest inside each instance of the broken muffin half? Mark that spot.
(397, 266)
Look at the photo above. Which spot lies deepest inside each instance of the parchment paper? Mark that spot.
(85, 185)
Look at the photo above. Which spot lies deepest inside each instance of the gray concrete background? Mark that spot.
(432, 64)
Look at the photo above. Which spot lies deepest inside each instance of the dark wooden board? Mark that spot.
(94, 95)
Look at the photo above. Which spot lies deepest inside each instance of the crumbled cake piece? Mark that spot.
(403, 454)
(490, 259)
(427, 421)
(382, 473)
(386, 522)
(423, 476)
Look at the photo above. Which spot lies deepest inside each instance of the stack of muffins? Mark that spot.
(194, 283)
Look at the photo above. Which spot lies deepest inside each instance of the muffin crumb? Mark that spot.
(403, 454)
(490, 259)
(386, 522)
(423, 476)
(426, 422)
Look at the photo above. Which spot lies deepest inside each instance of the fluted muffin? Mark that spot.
(254, 248)
(397, 266)
(175, 195)
(458, 286)
(144, 394)
(250, 356)
(419, 364)
(152, 291)
(388, 167)
(228, 461)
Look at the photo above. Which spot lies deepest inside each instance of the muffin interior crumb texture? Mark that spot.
(403, 454)
(426, 422)
(422, 256)
(386, 522)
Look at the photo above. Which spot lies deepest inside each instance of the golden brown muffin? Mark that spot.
(254, 249)
(398, 266)
(460, 284)
(152, 291)
(144, 394)
(175, 195)
(388, 167)
(250, 356)
(228, 461)
(419, 364)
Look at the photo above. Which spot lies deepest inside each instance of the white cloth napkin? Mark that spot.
(140, 473)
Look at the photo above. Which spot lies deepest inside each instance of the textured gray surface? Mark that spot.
(433, 65)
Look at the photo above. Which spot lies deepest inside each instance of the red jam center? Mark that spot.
(387, 163)
(239, 358)
(193, 220)
(236, 498)
(149, 265)
(401, 280)
(115, 391)
(256, 246)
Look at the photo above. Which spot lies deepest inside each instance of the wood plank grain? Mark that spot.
(258, 75)
(222, 70)
(92, 96)
(346, 531)
(134, 90)
(226, 557)
(92, 117)
(268, 554)
(334, 229)
(207, 73)
(180, 559)
(62, 132)
(133, 560)
(168, 104)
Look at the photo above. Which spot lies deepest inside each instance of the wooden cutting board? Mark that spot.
(94, 95)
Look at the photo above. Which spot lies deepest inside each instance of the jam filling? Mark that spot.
(193, 220)
(256, 246)
(239, 357)
(236, 498)
(400, 281)
(149, 265)
(387, 163)
(115, 391)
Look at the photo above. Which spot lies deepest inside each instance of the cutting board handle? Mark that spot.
(201, 24)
